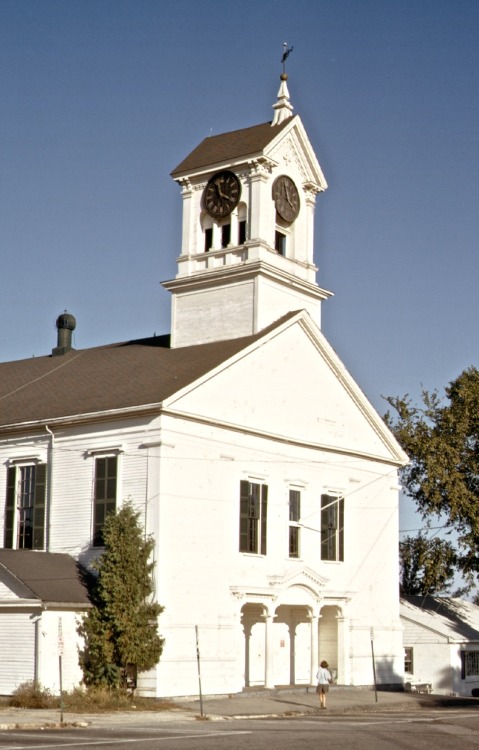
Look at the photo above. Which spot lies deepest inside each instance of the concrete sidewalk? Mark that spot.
(249, 704)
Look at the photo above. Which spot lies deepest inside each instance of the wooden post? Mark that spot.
(374, 666)
(199, 669)
(60, 666)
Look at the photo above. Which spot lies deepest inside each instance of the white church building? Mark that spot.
(267, 479)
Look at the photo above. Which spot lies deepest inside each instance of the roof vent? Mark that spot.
(66, 324)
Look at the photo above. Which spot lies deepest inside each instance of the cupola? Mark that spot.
(247, 234)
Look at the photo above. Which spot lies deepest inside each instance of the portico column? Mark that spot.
(268, 647)
(314, 621)
(343, 650)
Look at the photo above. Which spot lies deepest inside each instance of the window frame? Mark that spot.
(469, 665)
(242, 231)
(280, 242)
(408, 660)
(225, 235)
(208, 239)
(25, 505)
(332, 527)
(104, 502)
(253, 517)
(294, 533)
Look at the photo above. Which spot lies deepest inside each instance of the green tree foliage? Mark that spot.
(441, 438)
(427, 565)
(121, 629)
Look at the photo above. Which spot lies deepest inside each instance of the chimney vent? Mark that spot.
(66, 324)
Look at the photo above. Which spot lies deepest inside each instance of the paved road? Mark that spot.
(440, 729)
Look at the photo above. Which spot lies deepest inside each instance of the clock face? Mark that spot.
(222, 194)
(286, 198)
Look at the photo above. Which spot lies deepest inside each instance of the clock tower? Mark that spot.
(247, 237)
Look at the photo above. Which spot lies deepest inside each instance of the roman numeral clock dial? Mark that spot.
(222, 194)
(286, 198)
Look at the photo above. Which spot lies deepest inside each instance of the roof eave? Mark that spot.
(97, 416)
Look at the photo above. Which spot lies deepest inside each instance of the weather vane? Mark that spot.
(286, 54)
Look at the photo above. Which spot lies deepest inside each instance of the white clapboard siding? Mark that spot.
(17, 650)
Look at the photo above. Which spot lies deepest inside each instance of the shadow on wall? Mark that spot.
(387, 678)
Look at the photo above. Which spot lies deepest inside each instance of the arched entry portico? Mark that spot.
(287, 633)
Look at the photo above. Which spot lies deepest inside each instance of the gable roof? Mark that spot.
(455, 619)
(233, 145)
(119, 376)
(47, 576)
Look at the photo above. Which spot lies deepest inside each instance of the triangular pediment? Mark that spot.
(292, 146)
(291, 386)
(304, 577)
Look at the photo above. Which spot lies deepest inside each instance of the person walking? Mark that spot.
(324, 678)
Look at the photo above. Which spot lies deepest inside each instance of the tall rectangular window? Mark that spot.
(332, 528)
(294, 516)
(408, 660)
(106, 472)
(25, 507)
(253, 517)
(225, 235)
(208, 239)
(241, 232)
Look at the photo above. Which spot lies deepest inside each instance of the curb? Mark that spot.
(43, 725)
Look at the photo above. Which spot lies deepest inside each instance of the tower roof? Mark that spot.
(237, 144)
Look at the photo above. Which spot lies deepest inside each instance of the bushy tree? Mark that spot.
(121, 629)
(427, 565)
(441, 438)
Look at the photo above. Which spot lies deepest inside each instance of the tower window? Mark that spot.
(225, 235)
(208, 239)
(280, 242)
(241, 232)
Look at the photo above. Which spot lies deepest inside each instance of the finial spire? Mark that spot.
(283, 107)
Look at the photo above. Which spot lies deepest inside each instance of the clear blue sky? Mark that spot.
(100, 99)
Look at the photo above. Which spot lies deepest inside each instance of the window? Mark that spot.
(408, 660)
(294, 516)
(280, 242)
(225, 235)
(332, 527)
(25, 507)
(242, 232)
(208, 239)
(253, 516)
(106, 470)
(469, 664)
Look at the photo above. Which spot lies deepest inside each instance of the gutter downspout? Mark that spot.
(49, 488)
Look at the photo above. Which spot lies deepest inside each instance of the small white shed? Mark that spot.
(441, 643)
(41, 598)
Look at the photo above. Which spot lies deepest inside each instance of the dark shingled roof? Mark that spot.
(119, 376)
(227, 146)
(50, 577)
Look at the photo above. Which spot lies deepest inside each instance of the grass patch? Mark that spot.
(87, 701)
